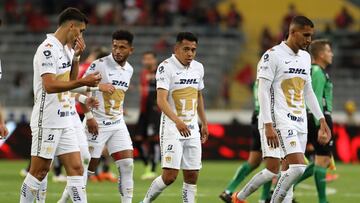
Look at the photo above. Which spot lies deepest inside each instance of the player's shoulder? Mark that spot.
(47, 48)
(129, 67)
(304, 54)
(197, 64)
(166, 65)
(271, 54)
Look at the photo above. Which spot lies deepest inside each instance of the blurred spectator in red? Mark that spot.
(287, 20)
(162, 45)
(185, 6)
(213, 16)
(36, 21)
(11, 12)
(234, 19)
(267, 40)
(343, 20)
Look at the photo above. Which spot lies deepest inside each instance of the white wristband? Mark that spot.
(88, 115)
(76, 58)
(94, 88)
(82, 99)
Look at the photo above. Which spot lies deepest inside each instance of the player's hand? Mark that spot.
(92, 79)
(182, 128)
(324, 133)
(79, 46)
(204, 133)
(92, 125)
(107, 87)
(271, 136)
(3, 131)
(92, 102)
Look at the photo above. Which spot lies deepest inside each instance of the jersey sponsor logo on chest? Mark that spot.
(119, 83)
(187, 81)
(299, 71)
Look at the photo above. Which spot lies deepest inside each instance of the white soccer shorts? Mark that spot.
(181, 153)
(115, 140)
(50, 142)
(291, 141)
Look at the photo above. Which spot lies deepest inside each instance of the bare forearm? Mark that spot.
(1, 115)
(201, 109)
(165, 107)
(57, 86)
(74, 70)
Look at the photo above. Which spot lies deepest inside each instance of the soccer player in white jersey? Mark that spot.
(179, 84)
(52, 129)
(284, 87)
(107, 126)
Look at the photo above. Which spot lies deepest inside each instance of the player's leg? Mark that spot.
(96, 145)
(43, 146)
(246, 168)
(171, 153)
(85, 158)
(139, 138)
(272, 163)
(191, 165)
(153, 147)
(121, 150)
(69, 154)
(322, 162)
(293, 148)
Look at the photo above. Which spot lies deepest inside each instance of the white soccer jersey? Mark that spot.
(51, 110)
(73, 113)
(289, 72)
(183, 84)
(110, 112)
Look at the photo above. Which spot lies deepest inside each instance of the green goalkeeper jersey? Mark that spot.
(323, 88)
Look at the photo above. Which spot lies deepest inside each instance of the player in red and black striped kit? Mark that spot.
(146, 139)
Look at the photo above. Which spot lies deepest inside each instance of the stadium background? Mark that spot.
(231, 40)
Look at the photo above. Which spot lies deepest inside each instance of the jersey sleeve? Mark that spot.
(318, 83)
(201, 82)
(46, 58)
(92, 68)
(267, 66)
(163, 76)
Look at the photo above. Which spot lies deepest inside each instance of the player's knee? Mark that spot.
(76, 169)
(39, 173)
(169, 179)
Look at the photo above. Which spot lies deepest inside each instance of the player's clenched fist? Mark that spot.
(92, 79)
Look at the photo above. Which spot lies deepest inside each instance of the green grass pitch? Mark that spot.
(213, 178)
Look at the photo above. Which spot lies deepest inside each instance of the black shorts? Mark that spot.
(322, 150)
(255, 134)
(148, 124)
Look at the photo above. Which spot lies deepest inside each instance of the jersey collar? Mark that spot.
(178, 63)
(53, 39)
(116, 63)
(284, 46)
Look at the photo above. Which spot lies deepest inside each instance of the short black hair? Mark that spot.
(149, 52)
(72, 14)
(123, 35)
(302, 21)
(186, 36)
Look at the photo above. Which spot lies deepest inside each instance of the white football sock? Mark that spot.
(41, 195)
(76, 189)
(188, 193)
(29, 189)
(286, 181)
(156, 187)
(258, 180)
(126, 181)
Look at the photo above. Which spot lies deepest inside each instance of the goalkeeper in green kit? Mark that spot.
(322, 56)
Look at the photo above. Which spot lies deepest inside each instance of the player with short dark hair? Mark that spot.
(52, 129)
(284, 86)
(179, 85)
(106, 125)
